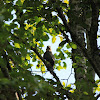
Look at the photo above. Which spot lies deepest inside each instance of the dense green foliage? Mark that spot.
(25, 26)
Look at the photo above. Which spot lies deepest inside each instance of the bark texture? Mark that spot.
(82, 70)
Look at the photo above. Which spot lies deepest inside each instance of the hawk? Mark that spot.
(49, 56)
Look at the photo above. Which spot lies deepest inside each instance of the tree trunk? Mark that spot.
(84, 74)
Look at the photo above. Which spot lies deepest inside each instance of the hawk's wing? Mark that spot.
(49, 57)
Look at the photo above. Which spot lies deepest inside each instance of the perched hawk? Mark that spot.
(49, 56)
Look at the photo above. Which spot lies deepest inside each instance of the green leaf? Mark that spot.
(85, 93)
(28, 57)
(64, 65)
(63, 84)
(66, 1)
(97, 81)
(61, 55)
(37, 19)
(59, 68)
(53, 39)
(68, 46)
(74, 65)
(98, 88)
(74, 46)
(17, 45)
(43, 69)
(69, 85)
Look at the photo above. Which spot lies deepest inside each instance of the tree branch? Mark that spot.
(51, 71)
(4, 67)
(97, 96)
(48, 66)
(5, 71)
(92, 61)
(92, 34)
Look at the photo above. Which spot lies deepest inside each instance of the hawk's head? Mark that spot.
(48, 48)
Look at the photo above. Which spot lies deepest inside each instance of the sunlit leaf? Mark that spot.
(22, 58)
(43, 69)
(59, 61)
(59, 33)
(53, 39)
(38, 43)
(59, 68)
(72, 91)
(28, 57)
(28, 26)
(38, 66)
(98, 36)
(8, 1)
(17, 45)
(61, 38)
(50, 29)
(34, 28)
(63, 84)
(69, 85)
(66, 1)
(11, 64)
(97, 81)
(22, 1)
(68, 20)
(26, 63)
(98, 88)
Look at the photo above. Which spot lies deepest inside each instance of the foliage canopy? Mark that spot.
(25, 26)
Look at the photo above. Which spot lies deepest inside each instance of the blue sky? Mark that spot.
(62, 74)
